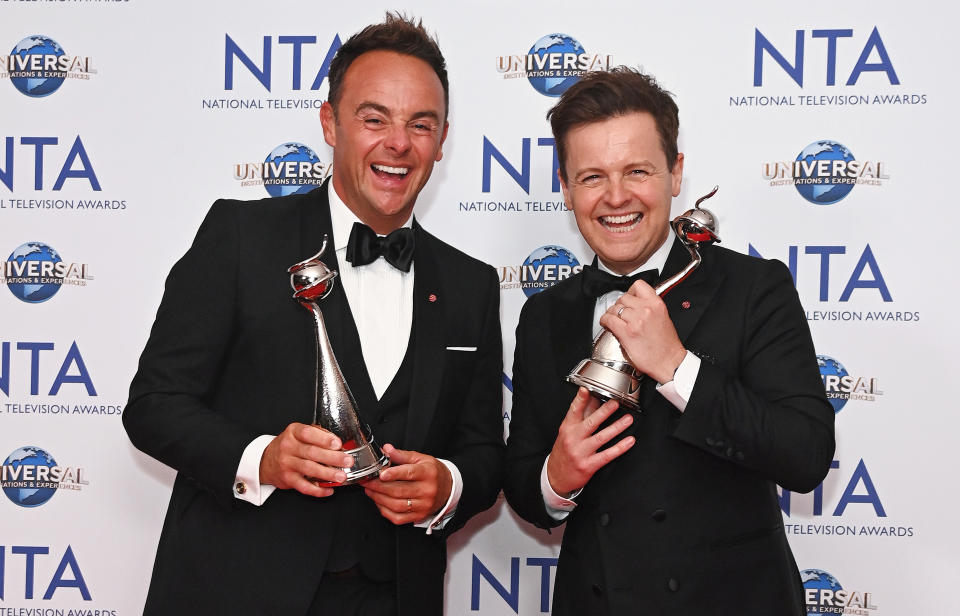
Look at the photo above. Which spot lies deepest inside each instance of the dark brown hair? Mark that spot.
(600, 95)
(398, 34)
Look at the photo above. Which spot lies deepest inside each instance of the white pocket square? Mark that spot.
(461, 348)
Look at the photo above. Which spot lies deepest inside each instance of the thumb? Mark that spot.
(400, 456)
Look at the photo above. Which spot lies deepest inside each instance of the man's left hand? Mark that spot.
(414, 487)
(642, 325)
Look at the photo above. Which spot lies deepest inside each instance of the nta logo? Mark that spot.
(872, 48)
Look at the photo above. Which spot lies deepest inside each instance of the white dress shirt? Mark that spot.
(677, 391)
(381, 302)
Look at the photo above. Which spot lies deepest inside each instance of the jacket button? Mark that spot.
(659, 515)
(710, 442)
(673, 585)
(597, 591)
(604, 519)
(738, 455)
(729, 452)
(382, 420)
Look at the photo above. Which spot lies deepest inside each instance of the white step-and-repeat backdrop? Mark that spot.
(106, 172)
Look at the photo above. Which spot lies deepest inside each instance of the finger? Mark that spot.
(608, 455)
(401, 456)
(640, 288)
(606, 435)
(327, 457)
(578, 405)
(320, 472)
(401, 510)
(593, 403)
(315, 435)
(404, 472)
(600, 415)
(399, 518)
(390, 489)
(305, 486)
(615, 324)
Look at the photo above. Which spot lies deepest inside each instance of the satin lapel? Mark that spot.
(428, 351)
(689, 300)
(337, 317)
(571, 329)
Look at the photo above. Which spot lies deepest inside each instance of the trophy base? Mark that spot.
(368, 461)
(607, 383)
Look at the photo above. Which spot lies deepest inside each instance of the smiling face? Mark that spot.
(386, 134)
(619, 187)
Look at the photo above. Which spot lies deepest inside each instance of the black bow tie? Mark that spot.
(596, 282)
(365, 246)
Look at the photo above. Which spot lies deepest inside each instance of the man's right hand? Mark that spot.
(574, 458)
(303, 451)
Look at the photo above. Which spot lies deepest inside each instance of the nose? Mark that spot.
(616, 194)
(397, 140)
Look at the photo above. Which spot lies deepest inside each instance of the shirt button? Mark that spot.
(241, 487)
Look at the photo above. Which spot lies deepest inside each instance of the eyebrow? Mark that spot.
(370, 105)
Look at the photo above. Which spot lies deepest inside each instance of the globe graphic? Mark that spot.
(831, 367)
(551, 44)
(818, 579)
(830, 190)
(43, 85)
(28, 496)
(283, 153)
(546, 256)
(32, 292)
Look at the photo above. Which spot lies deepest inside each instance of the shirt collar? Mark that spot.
(656, 261)
(342, 218)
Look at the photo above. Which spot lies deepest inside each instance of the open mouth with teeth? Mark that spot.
(395, 173)
(621, 223)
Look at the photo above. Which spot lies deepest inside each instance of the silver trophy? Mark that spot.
(607, 373)
(335, 408)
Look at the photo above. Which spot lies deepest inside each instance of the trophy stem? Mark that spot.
(335, 410)
(334, 407)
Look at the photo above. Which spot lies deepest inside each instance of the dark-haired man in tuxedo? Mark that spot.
(225, 388)
(672, 509)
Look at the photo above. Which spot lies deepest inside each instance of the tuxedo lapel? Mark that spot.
(690, 299)
(429, 304)
(337, 316)
(571, 328)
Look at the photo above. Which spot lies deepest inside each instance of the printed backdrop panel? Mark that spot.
(108, 166)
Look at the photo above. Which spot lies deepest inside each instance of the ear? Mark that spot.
(677, 174)
(443, 137)
(328, 121)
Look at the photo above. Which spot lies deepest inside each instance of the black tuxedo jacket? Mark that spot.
(231, 356)
(687, 521)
